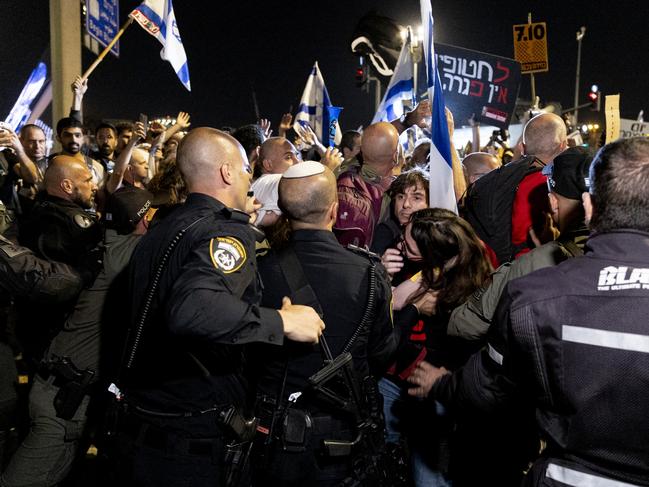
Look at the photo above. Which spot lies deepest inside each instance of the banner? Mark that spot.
(633, 128)
(612, 114)
(478, 83)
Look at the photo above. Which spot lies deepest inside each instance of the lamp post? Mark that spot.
(580, 36)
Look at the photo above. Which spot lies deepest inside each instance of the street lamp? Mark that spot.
(580, 36)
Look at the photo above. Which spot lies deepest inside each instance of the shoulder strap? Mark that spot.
(293, 272)
(133, 342)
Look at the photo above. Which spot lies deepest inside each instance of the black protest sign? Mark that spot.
(478, 83)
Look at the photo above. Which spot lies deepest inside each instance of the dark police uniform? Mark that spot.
(189, 357)
(340, 281)
(574, 340)
(61, 230)
(57, 230)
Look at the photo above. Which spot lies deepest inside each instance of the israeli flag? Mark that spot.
(400, 89)
(315, 107)
(158, 19)
(440, 165)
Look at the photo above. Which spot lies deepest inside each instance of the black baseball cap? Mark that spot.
(126, 207)
(569, 173)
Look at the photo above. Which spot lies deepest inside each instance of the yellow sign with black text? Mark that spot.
(531, 47)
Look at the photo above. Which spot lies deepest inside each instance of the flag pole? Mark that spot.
(107, 49)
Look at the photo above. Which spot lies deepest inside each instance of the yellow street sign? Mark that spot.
(531, 47)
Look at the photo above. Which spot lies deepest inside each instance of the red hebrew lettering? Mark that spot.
(505, 69)
(479, 85)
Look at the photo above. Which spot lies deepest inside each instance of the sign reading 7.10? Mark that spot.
(531, 47)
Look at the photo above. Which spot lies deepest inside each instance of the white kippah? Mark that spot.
(303, 170)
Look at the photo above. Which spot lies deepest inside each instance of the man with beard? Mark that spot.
(70, 134)
(58, 229)
(106, 138)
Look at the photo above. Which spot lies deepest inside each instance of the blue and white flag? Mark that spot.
(158, 19)
(314, 109)
(442, 194)
(400, 89)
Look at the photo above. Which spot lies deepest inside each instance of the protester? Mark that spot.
(453, 265)
(361, 190)
(408, 193)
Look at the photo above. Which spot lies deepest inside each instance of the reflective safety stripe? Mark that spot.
(495, 356)
(581, 479)
(605, 338)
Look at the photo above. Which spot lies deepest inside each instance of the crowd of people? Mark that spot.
(228, 307)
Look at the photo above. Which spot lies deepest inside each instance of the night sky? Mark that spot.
(270, 46)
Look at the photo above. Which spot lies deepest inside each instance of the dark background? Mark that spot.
(271, 46)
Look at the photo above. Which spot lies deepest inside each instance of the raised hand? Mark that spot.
(332, 158)
(264, 123)
(285, 124)
(139, 132)
(79, 86)
(182, 120)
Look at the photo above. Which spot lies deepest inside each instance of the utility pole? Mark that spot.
(65, 42)
(580, 36)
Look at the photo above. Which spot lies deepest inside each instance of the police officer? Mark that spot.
(59, 227)
(339, 282)
(574, 341)
(60, 394)
(194, 302)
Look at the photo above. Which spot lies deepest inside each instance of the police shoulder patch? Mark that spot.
(228, 254)
(82, 220)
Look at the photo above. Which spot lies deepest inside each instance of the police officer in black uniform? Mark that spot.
(59, 229)
(195, 302)
(574, 340)
(339, 282)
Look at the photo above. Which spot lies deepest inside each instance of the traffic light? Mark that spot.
(361, 73)
(594, 96)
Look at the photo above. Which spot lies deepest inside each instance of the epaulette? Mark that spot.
(239, 216)
(364, 252)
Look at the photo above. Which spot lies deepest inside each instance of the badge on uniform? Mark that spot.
(82, 220)
(228, 254)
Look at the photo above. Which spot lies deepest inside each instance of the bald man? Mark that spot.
(59, 227)
(182, 380)
(276, 155)
(520, 189)
(545, 137)
(364, 202)
(477, 164)
(339, 283)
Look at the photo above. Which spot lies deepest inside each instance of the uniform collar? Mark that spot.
(312, 235)
(61, 202)
(201, 199)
